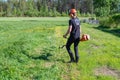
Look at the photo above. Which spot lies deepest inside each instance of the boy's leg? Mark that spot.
(69, 43)
(76, 42)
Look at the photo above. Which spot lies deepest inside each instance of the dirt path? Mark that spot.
(107, 72)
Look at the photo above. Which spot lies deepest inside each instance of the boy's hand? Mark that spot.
(64, 36)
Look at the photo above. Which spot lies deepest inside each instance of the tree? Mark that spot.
(57, 7)
(1, 8)
(105, 7)
(22, 6)
(9, 8)
(114, 6)
(102, 7)
(86, 6)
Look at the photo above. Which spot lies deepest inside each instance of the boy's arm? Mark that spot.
(68, 31)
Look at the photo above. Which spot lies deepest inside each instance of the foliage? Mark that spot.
(87, 15)
(112, 21)
(103, 11)
(114, 4)
(105, 7)
(102, 7)
(104, 22)
(35, 8)
(116, 19)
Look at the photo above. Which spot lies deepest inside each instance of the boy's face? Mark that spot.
(72, 15)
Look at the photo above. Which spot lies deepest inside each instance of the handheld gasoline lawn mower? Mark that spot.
(60, 47)
(85, 37)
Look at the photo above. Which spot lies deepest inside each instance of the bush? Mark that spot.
(55, 13)
(78, 13)
(31, 13)
(102, 11)
(115, 19)
(2, 14)
(64, 14)
(87, 15)
(104, 22)
(112, 21)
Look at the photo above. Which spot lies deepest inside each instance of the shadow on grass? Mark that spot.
(115, 31)
(44, 56)
(60, 60)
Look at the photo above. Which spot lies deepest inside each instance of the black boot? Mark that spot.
(71, 61)
(77, 59)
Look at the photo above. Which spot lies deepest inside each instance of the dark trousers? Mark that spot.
(68, 45)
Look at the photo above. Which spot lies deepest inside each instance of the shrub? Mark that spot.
(115, 19)
(87, 15)
(2, 14)
(103, 21)
(78, 13)
(63, 14)
(102, 11)
(111, 22)
(55, 13)
(31, 13)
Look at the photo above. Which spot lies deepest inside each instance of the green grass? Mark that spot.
(29, 50)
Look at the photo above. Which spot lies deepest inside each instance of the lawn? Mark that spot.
(29, 50)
